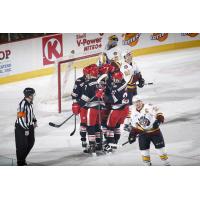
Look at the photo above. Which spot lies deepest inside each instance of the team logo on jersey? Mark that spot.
(52, 48)
(131, 39)
(144, 121)
(159, 36)
(190, 34)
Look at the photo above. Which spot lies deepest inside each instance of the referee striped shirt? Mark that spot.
(25, 114)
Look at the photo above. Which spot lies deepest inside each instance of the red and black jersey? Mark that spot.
(78, 88)
(88, 98)
(118, 96)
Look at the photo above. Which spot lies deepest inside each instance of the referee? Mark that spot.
(24, 127)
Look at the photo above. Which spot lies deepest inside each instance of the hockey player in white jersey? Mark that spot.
(132, 75)
(111, 53)
(145, 121)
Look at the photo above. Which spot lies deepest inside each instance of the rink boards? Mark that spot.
(33, 58)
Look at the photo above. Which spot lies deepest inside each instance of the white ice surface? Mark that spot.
(176, 90)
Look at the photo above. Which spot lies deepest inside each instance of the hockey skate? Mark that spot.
(90, 150)
(167, 163)
(84, 144)
(108, 149)
(99, 150)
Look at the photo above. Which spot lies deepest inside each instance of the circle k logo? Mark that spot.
(52, 48)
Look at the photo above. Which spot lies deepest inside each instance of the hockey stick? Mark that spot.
(118, 145)
(150, 83)
(59, 125)
(72, 133)
(127, 142)
(124, 143)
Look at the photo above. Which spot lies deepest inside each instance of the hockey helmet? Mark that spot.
(29, 92)
(118, 76)
(110, 67)
(93, 66)
(94, 71)
(105, 69)
(116, 65)
(86, 70)
(137, 98)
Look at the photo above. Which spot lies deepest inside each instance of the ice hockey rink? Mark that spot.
(176, 90)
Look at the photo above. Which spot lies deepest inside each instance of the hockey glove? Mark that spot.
(131, 138)
(156, 124)
(141, 82)
(128, 127)
(76, 108)
(35, 125)
(99, 93)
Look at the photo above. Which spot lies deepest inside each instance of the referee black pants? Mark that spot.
(24, 143)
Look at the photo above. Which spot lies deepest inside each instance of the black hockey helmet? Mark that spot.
(29, 92)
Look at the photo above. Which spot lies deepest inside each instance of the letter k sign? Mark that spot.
(52, 48)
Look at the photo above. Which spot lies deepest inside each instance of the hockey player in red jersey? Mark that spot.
(107, 69)
(119, 109)
(76, 108)
(92, 99)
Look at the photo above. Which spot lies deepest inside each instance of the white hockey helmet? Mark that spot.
(137, 98)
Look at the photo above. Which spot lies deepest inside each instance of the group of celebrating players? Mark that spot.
(104, 98)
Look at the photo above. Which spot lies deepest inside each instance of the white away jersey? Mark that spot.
(111, 54)
(129, 70)
(145, 118)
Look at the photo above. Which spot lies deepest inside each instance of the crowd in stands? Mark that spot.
(10, 37)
